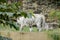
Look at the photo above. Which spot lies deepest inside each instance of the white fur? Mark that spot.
(35, 20)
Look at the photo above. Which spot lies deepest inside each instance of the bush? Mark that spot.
(55, 34)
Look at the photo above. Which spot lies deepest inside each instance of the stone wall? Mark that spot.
(36, 6)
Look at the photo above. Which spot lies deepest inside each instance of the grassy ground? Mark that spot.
(55, 34)
(7, 28)
(6, 31)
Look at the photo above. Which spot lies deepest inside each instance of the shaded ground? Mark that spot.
(4, 38)
(26, 35)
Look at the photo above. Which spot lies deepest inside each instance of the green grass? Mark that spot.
(6, 28)
(55, 34)
(26, 29)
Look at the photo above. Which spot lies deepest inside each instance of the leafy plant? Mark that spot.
(55, 34)
(9, 13)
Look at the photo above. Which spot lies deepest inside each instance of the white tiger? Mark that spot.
(37, 19)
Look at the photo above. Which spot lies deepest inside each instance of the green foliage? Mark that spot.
(55, 34)
(24, 14)
(8, 7)
(52, 14)
(9, 13)
(58, 14)
(3, 1)
(55, 14)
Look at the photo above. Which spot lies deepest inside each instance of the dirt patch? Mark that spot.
(26, 35)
